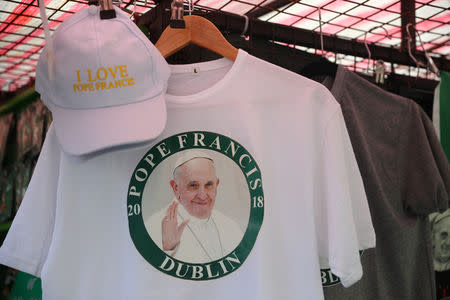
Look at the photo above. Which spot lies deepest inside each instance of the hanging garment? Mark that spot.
(282, 169)
(406, 176)
(440, 223)
(441, 111)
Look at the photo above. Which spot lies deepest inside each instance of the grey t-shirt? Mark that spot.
(406, 176)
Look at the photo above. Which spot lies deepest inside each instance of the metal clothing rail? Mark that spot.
(155, 21)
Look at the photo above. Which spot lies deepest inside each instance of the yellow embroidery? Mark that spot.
(102, 79)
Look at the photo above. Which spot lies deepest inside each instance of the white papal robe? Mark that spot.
(203, 240)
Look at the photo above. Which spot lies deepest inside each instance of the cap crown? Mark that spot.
(101, 63)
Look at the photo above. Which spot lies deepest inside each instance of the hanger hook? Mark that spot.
(245, 26)
(367, 47)
(118, 3)
(320, 28)
(416, 61)
(430, 63)
(409, 45)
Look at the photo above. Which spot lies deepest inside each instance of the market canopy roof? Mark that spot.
(22, 37)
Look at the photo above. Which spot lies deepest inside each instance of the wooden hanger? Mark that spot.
(199, 31)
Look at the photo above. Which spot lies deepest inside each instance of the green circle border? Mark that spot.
(153, 254)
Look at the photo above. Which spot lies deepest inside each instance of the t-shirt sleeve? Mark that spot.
(424, 169)
(365, 232)
(27, 243)
(340, 192)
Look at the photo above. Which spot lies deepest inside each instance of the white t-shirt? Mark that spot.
(288, 178)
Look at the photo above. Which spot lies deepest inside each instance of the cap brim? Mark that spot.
(87, 131)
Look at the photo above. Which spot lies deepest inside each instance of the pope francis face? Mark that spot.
(195, 186)
(441, 241)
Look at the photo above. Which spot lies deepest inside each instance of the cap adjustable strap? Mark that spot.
(48, 40)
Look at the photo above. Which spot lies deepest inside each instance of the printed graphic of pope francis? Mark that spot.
(440, 228)
(190, 229)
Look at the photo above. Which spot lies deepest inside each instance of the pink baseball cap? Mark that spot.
(106, 83)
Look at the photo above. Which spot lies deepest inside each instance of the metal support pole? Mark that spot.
(301, 37)
(408, 16)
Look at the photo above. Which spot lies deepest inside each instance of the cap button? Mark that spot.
(92, 9)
